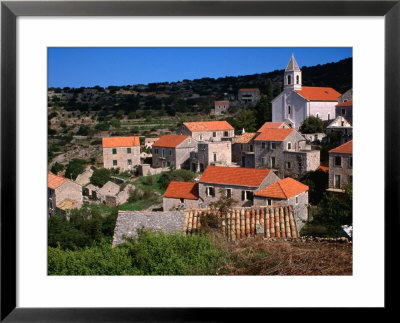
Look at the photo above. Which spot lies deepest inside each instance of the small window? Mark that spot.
(168, 164)
(288, 165)
(297, 79)
(226, 133)
(337, 181)
(297, 200)
(269, 202)
(201, 138)
(170, 152)
(249, 195)
(215, 157)
(114, 151)
(350, 162)
(163, 152)
(263, 145)
(338, 161)
(329, 116)
(156, 151)
(210, 191)
(343, 112)
(251, 148)
(114, 163)
(289, 79)
(273, 145)
(272, 162)
(288, 110)
(189, 140)
(289, 145)
(263, 161)
(128, 150)
(129, 161)
(228, 192)
(214, 134)
(182, 200)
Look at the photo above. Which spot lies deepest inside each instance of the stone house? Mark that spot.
(298, 102)
(84, 178)
(286, 192)
(340, 167)
(345, 109)
(342, 128)
(249, 96)
(108, 189)
(285, 152)
(181, 195)
(207, 130)
(346, 96)
(210, 153)
(220, 108)
(121, 152)
(237, 182)
(243, 150)
(63, 194)
(173, 151)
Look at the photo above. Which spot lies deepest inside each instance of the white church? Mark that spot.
(297, 102)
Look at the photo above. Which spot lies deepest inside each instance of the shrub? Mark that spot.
(74, 168)
(56, 168)
(100, 177)
(135, 195)
(312, 125)
(182, 175)
(83, 130)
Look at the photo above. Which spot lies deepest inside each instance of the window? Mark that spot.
(251, 147)
(288, 165)
(297, 79)
(156, 151)
(297, 200)
(273, 145)
(269, 202)
(226, 133)
(343, 112)
(128, 150)
(189, 140)
(263, 161)
(214, 134)
(170, 152)
(288, 110)
(289, 79)
(272, 162)
(350, 162)
(249, 196)
(289, 145)
(337, 181)
(210, 191)
(168, 164)
(215, 157)
(114, 151)
(163, 152)
(329, 116)
(114, 163)
(129, 161)
(182, 200)
(201, 138)
(163, 163)
(263, 145)
(338, 161)
(228, 192)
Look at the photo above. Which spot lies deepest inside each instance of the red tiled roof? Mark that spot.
(186, 190)
(249, 90)
(283, 189)
(314, 93)
(346, 148)
(54, 181)
(324, 167)
(170, 141)
(221, 102)
(234, 175)
(245, 138)
(345, 104)
(270, 125)
(274, 134)
(208, 126)
(121, 142)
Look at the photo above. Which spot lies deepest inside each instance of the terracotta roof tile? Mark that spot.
(283, 189)
(274, 134)
(245, 138)
(187, 190)
(239, 223)
(345, 104)
(270, 125)
(234, 175)
(54, 181)
(221, 102)
(346, 148)
(208, 126)
(324, 167)
(314, 93)
(170, 141)
(121, 142)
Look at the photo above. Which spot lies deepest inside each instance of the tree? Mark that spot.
(246, 119)
(100, 177)
(317, 181)
(263, 111)
(83, 130)
(56, 168)
(74, 168)
(312, 125)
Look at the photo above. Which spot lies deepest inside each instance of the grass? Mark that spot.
(140, 205)
(141, 183)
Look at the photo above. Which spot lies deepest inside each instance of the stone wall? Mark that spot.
(177, 157)
(69, 191)
(122, 156)
(297, 163)
(204, 155)
(170, 204)
(345, 170)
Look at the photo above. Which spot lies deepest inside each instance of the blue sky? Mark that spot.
(76, 67)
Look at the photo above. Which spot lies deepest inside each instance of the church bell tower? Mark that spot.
(292, 77)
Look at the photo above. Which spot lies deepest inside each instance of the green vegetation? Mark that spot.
(149, 254)
(182, 175)
(75, 167)
(312, 125)
(100, 177)
(317, 181)
(56, 168)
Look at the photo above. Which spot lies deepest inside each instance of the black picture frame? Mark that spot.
(10, 10)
